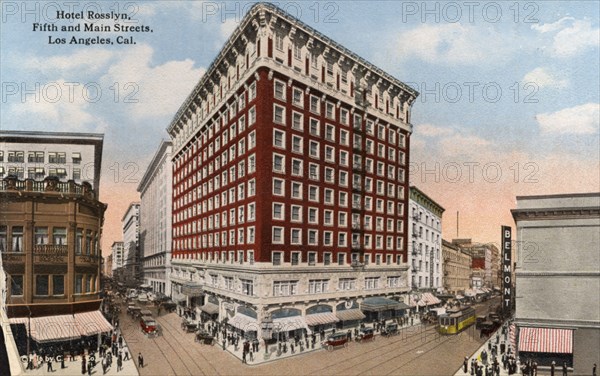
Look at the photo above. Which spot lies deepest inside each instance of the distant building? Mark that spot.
(66, 155)
(425, 255)
(156, 192)
(290, 189)
(558, 279)
(132, 266)
(457, 268)
(118, 255)
(485, 262)
(108, 266)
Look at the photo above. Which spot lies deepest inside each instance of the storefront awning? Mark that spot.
(54, 328)
(243, 322)
(430, 299)
(210, 308)
(546, 340)
(377, 304)
(350, 315)
(285, 324)
(321, 318)
(91, 323)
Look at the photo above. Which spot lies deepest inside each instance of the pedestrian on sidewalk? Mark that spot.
(119, 363)
(140, 360)
(466, 365)
(565, 369)
(552, 368)
(49, 368)
(83, 365)
(244, 357)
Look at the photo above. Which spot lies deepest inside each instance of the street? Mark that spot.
(418, 350)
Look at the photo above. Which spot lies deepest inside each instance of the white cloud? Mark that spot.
(429, 130)
(228, 27)
(467, 145)
(161, 89)
(582, 119)
(572, 36)
(544, 78)
(454, 44)
(549, 27)
(86, 60)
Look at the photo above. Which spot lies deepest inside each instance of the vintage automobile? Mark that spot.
(134, 311)
(365, 334)
(149, 326)
(478, 321)
(204, 337)
(390, 330)
(335, 340)
(188, 326)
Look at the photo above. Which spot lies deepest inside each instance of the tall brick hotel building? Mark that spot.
(290, 185)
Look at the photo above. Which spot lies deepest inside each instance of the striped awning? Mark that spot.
(546, 340)
(430, 299)
(285, 324)
(210, 308)
(321, 318)
(243, 322)
(91, 323)
(54, 328)
(350, 315)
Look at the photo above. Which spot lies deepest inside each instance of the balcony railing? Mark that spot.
(50, 249)
(51, 184)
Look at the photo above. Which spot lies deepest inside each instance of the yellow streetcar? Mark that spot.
(456, 320)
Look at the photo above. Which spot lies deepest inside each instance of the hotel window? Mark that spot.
(344, 137)
(16, 285)
(41, 284)
(378, 259)
(347, 283)
(317, 286)
(343, 179)
(276, 258)
(313, 215)
(278, 138)
(328, 238)
(59, 236)
(381, 132)
(296, 190)
(285, 288)
(58, 284)
(251, 141)
(297, 51)
(228, 283)
(3, 238)
(343, 199)
(315, 104)
(371, 283)
(295, 236)
(329, 175)
(278, 187)
(278, 163)
(250, 236)
(393, 281)
(343, 158)
(252, 116)
(278, 211)
(295, 260)
(344, 116)
(54, 157)
(242, 101)
(313, 171)
(357, 121)
(279, 42)
(79, 241)
(314, 149)
(296, 213)
(297, 144)
(298, 97)
(297, 168)
(328, 196)
(342, 239)
(297, 121)
(330, 110)
(277, 235)
(41, 235)
(16, 156)
(251, 212)
(329, 154)
(388, 259)
(247, 287)
(76, 174)
(252, 92)
(279, 89)
(314, 128)
(279, 114)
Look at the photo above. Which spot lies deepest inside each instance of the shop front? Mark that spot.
(349, 314)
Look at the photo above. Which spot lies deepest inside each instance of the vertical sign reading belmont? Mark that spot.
(506, 269)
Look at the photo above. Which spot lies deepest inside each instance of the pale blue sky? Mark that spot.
(547, 50)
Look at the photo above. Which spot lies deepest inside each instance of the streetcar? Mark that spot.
(456, 320)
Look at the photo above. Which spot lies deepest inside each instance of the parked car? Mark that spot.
(142, 297)
(149, 326)
(336, 340)
(365, 335)
(390, 330)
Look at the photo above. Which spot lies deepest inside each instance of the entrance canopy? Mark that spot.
(377, 304)
(210, 308)
(546, 340)
(243, 322)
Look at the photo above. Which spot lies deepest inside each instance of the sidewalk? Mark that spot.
(74, 368)
(495, 339)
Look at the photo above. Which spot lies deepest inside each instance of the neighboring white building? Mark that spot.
(117, 252)
(131, 242)
(36, 155)
(557, 279)
(425, 250)
(156, 191)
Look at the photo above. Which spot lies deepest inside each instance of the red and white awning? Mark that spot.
(321, 318)
(91, 323)
(65, 327)
(546, 340)
(243, 322)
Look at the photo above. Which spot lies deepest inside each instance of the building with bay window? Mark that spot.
(290, 189)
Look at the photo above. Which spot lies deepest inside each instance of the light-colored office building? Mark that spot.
(132, 266)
